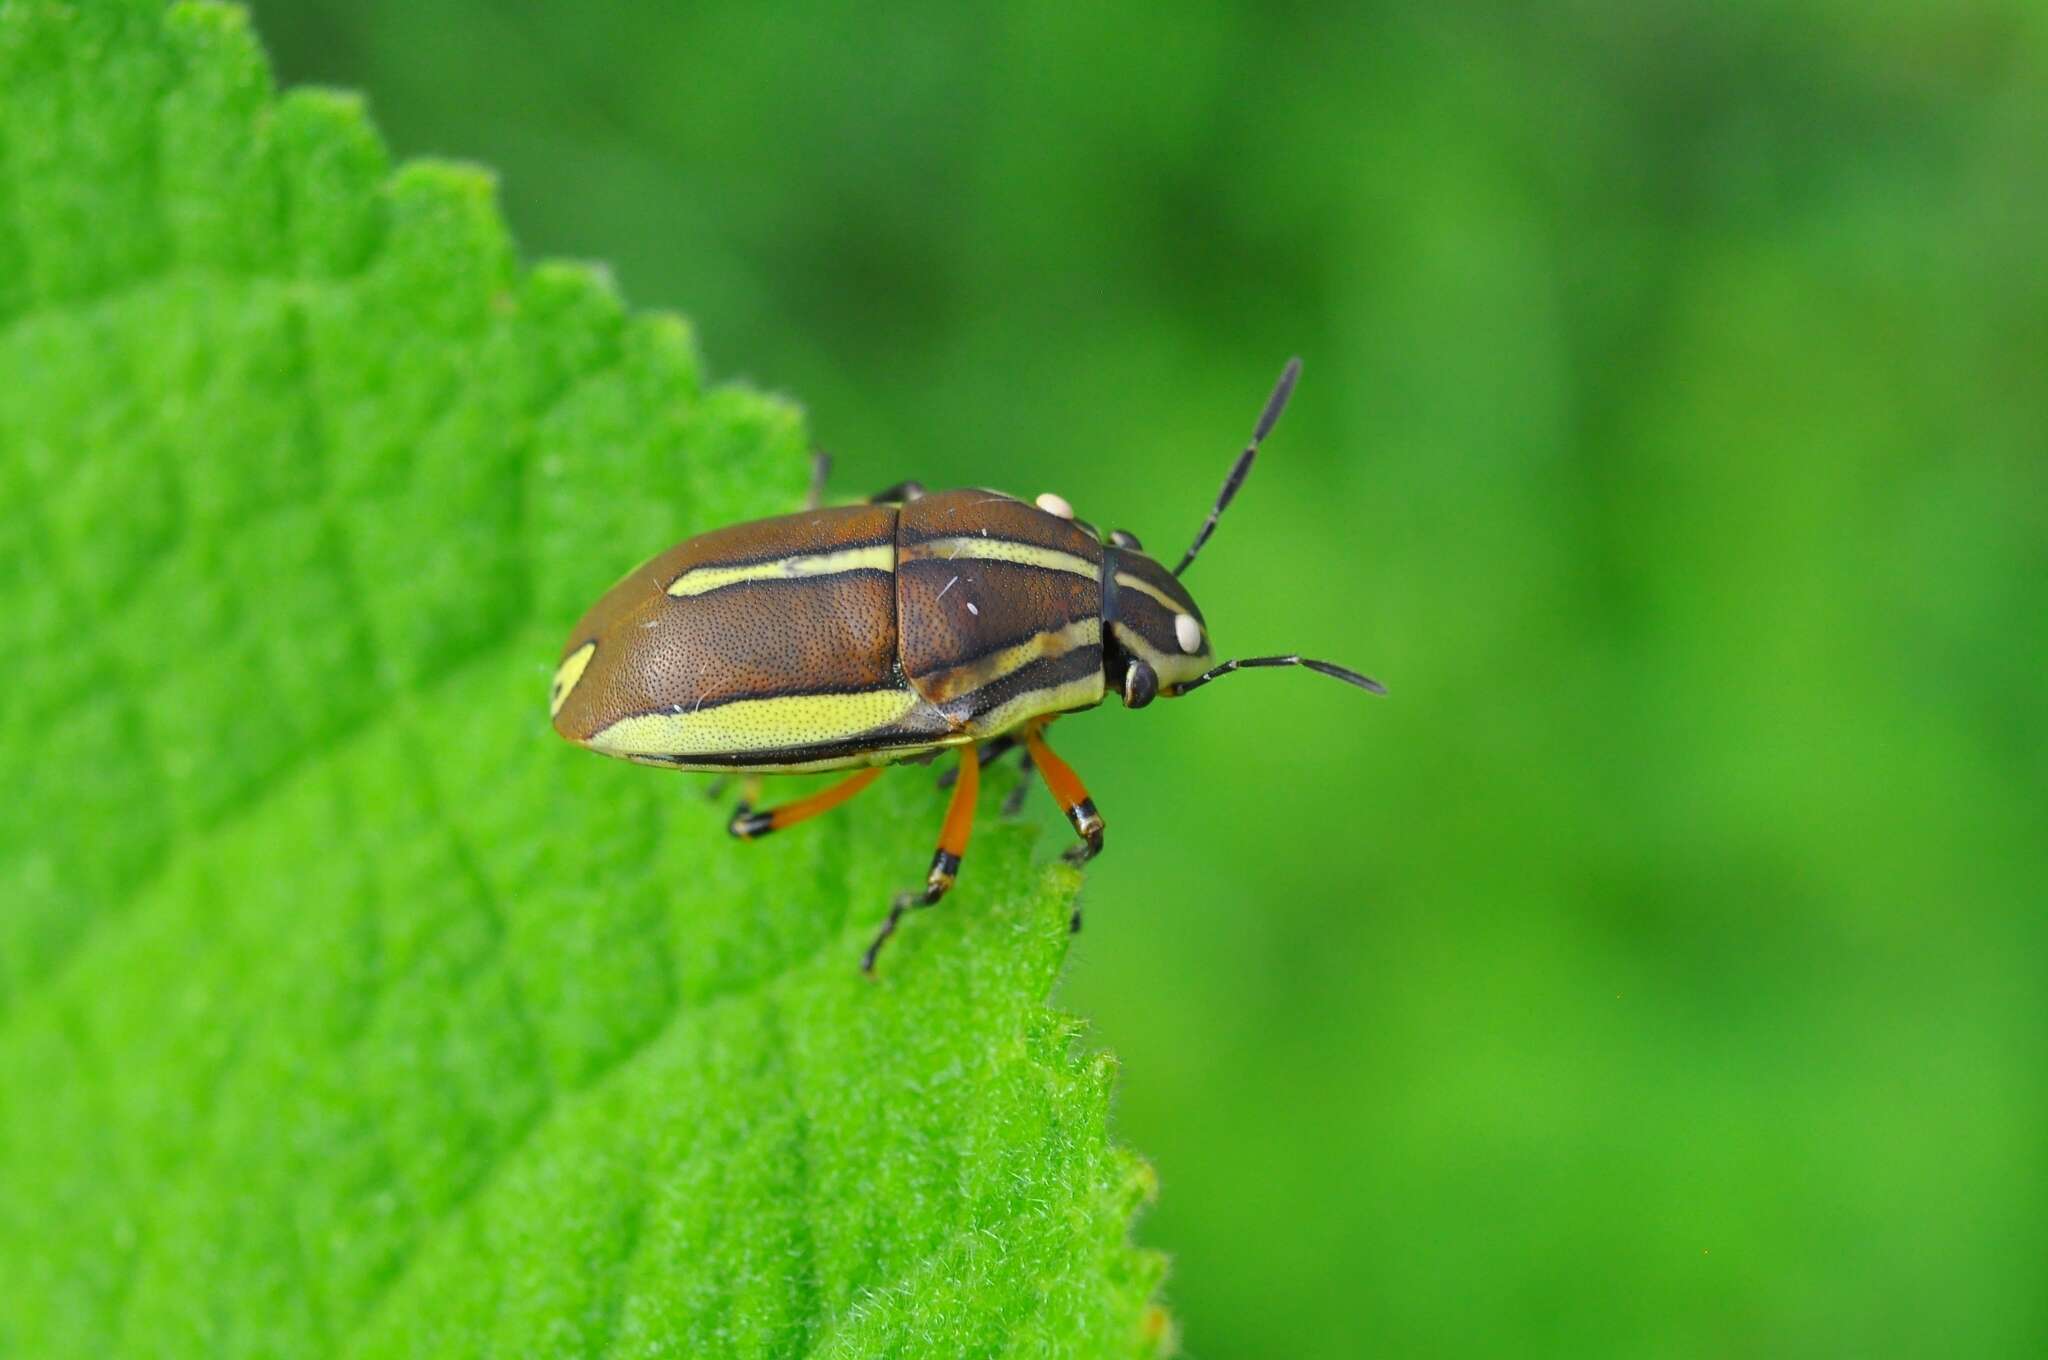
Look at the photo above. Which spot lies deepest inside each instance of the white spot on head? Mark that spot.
(1188, 633)
(972, 610)
(1055, 505)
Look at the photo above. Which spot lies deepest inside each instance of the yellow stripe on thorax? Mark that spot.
(701, 580)
(973, 547)
(1130, 582)
(757, 724)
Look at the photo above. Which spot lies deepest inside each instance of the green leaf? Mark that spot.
(343, 1008)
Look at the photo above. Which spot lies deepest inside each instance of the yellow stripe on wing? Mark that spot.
(881, 755)
(973, 547)
(702, 580)
(757, 724)
(567, 674)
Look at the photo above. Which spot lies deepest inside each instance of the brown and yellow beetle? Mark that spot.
(873, 634)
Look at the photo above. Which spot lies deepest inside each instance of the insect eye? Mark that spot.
(1141, 684)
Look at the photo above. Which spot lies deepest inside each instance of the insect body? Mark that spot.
(861, 636)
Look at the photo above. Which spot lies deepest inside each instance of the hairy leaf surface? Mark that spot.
(344, 1010)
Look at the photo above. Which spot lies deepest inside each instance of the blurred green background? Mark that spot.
(1659, 971)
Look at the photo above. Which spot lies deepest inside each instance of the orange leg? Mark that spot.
(958, 826)
(991, 752)
(749, 825)
(1073, 799)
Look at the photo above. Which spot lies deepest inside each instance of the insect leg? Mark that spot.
(821, 468)
(900, 493)
(750, 788)
(1069, 793)
(750, 825)
(958, 826)
(991, 752)
(1014, 803)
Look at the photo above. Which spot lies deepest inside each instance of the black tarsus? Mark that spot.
(747, 825)
(904, 902)
(1239, 470)
(1329, 668)
(1088, 825)
(944, 872)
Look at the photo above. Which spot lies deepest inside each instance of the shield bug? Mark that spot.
(868, 635)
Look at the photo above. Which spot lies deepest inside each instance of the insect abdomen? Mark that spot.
(768, 645)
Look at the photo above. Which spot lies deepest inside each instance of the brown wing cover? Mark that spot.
(974, 632)
(754, 639)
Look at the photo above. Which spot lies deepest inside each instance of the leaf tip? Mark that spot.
(331, 161)
(1158, 1332)
(449, 254)
(592, 278)
(209, 16)
(447, 185)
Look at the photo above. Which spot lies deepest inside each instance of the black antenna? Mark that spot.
(1329, 668)
(1243, 466)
